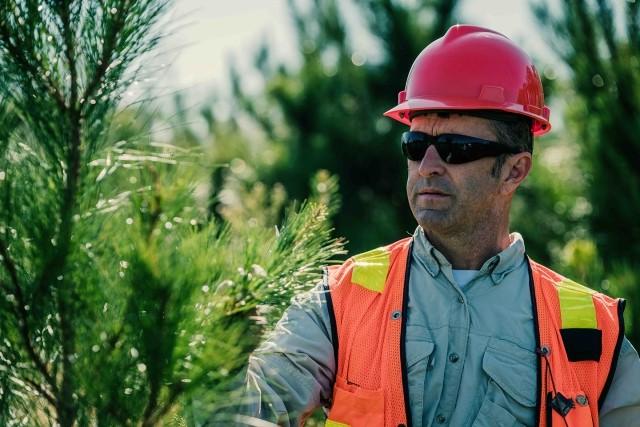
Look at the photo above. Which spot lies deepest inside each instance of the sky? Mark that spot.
(210, 35)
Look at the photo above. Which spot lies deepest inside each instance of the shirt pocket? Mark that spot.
(419, 359)
(511, 390)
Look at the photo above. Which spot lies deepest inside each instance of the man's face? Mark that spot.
(447, 198)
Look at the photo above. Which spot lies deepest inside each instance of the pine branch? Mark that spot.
(21, 312)
(605, 17)
(26, 64)
(155, 414)
(445, 11)
(57, 263)
(70, 53)
(45, 393)
(106, 56)
(633, 29)
(582, 32)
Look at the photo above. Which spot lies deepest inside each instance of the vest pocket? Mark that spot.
(418, 360)
(354, 406)
(510, 397)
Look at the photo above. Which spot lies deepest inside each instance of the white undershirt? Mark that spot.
(463, 277)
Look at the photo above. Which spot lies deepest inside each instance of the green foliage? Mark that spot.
(122, 300)
(327, 114)
(605, 112)
(549, 208)
(603, 119)
(187, 299)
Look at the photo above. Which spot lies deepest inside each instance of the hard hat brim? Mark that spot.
(402, 111)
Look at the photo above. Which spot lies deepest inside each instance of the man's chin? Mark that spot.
(432, 219)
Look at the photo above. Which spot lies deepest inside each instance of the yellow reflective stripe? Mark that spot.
(331, 423)
(576, 305)
(370, 269)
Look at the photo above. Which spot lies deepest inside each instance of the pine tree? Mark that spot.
(605, 75)
(121, 301)
(327, 114)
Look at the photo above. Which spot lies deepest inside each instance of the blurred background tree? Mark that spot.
(602, 54)
(122, 301)
(327, 114)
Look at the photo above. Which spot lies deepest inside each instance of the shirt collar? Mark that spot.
(496, 267)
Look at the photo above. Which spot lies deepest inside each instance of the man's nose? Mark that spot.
(432, 163)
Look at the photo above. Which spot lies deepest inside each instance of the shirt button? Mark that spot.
(461, 300)
(440, 419)
(453, 357)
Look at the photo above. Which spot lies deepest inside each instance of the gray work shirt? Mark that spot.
(470, 352)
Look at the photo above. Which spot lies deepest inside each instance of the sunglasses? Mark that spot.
(452, 148)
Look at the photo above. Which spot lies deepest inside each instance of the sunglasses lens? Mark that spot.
(414, 150)
(452, 148)
(454, 153)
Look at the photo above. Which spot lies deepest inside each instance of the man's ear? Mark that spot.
(515, 170)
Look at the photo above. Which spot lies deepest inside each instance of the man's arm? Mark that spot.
(622, 404)
(293, 371)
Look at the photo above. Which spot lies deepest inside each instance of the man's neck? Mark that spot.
(470, 250)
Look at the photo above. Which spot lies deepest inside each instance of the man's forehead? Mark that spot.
(444, 121)
(449, 117)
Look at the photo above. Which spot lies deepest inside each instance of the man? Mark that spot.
(455, 325)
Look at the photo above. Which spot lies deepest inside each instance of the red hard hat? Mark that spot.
(473, 68)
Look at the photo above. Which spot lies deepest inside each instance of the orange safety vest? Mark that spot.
(578, 337)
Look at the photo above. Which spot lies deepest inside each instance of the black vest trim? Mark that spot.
(403, 334)
(616, 353)
(536, 330)
(332, 317)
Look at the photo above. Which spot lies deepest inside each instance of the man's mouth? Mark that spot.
(432, 192)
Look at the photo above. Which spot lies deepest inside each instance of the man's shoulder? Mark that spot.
(368, 269)
(563, 283)
(558, 279)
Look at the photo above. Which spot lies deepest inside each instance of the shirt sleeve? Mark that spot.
(292, 372)
(621, 407)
